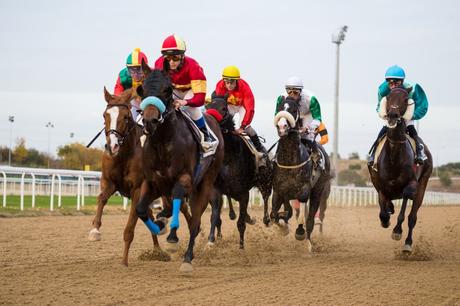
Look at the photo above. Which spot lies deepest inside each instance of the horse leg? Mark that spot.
(276, 205)
(288, 212)
(231, 211)
(242, 218)
(180, 189)
(313, 208)
(215, 215)
(397, 230)
(107, 189)
(412, 218)
(384, 214)
(322, 210)
(300, 231)
(266, 217)
(166, 212)
(147, 195)
(219, 220)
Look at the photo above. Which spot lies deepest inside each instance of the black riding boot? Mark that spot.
(370, 159)
(256, 141)
(419, 152)
(207, 135)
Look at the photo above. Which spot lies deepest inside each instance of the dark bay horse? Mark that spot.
(397, 175)
(121, 164)
(172, 161)
(238, 174)
(295, 176)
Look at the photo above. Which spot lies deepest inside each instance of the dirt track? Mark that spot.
(48, 260)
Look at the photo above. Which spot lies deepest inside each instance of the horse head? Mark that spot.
(218, 108)
(287, 116)
(156, 92)
(397, 106)
(117, 119)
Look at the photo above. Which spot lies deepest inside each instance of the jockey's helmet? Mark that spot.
(294, 82)
(395, 72)
(135, 58)
(173, 45)
(231, 72)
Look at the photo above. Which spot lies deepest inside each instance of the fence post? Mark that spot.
(4, 188)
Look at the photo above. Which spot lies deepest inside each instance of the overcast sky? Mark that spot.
(56, 56)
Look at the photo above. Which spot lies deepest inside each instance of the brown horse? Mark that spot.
(397, 175)
(172, 160)
(121, 164)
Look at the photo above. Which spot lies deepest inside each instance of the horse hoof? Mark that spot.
(407, 249)
(318, 221)
(186, 267)
(251, 221)
(385, 224)
(232, 215)
(124, 262)
(266, 221)
(309, 246)
(300, 233)
(396, 236)
(219, 235)
(94, 235)
(172, 240)
(209, 245)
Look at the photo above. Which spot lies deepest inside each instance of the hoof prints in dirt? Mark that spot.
(155, 254)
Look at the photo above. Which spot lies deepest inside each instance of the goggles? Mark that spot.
(295, 91)
(135, 69)
(229, 81)
(394, 81)
(174, 58)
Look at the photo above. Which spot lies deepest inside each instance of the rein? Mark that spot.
(291, 167)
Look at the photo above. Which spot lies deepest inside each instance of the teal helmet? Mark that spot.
(395, 72)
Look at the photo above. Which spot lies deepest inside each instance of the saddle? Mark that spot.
(379, 148)
(206, 148)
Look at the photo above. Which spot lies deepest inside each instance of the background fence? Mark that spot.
(59, 182)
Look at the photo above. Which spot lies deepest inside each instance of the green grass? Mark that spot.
(13, 202)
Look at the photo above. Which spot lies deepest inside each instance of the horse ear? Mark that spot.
(145, 68)
(409, 89)
(108, 97)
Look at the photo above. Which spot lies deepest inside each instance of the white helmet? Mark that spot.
(294, 82)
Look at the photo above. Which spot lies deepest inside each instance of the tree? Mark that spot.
(353, 155)
(351, 177)
(444, 178)
(76, 156)
(20, 152)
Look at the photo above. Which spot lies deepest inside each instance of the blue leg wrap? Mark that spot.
(155, 229)
(175, 213)
(200, 122)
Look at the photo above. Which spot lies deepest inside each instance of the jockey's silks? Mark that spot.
(175, 213)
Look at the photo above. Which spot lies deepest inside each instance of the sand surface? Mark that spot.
(49, 260)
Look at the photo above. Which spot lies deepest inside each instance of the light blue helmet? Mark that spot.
(395, 72)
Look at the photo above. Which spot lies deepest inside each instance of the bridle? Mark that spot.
(129, 122)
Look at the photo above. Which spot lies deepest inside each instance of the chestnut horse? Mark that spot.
(121, 164)
(173, 163)
(397, 175)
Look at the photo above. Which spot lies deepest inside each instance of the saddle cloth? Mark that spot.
(380, 147)
(207, 148)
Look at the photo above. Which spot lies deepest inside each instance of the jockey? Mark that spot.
(394, 77)
(132, 77)
(240, 100)
(310, 113)
(188, 80)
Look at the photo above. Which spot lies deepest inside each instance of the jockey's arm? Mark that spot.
(315, 110)
(198, 84)
(248, 105)
(118, 87)
(421, 102)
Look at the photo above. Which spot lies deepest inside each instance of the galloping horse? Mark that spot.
(121, 164)
(172, 159)
(238, 173)
(397, 176)
(295, 176)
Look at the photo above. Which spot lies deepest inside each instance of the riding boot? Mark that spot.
(419, 147)
(315, 155)
(370, 159)
(259, 146)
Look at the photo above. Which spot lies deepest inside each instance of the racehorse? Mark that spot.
(172, 160)
(239, 172)
(121, 164)
(397, 176)
(295, 174)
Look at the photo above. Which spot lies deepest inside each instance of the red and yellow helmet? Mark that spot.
(173, 45)
(135, 58)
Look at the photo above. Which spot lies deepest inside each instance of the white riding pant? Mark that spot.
(238, 113)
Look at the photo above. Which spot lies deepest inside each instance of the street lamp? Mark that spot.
(49, 125)
(337, 38)
(10, 119)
